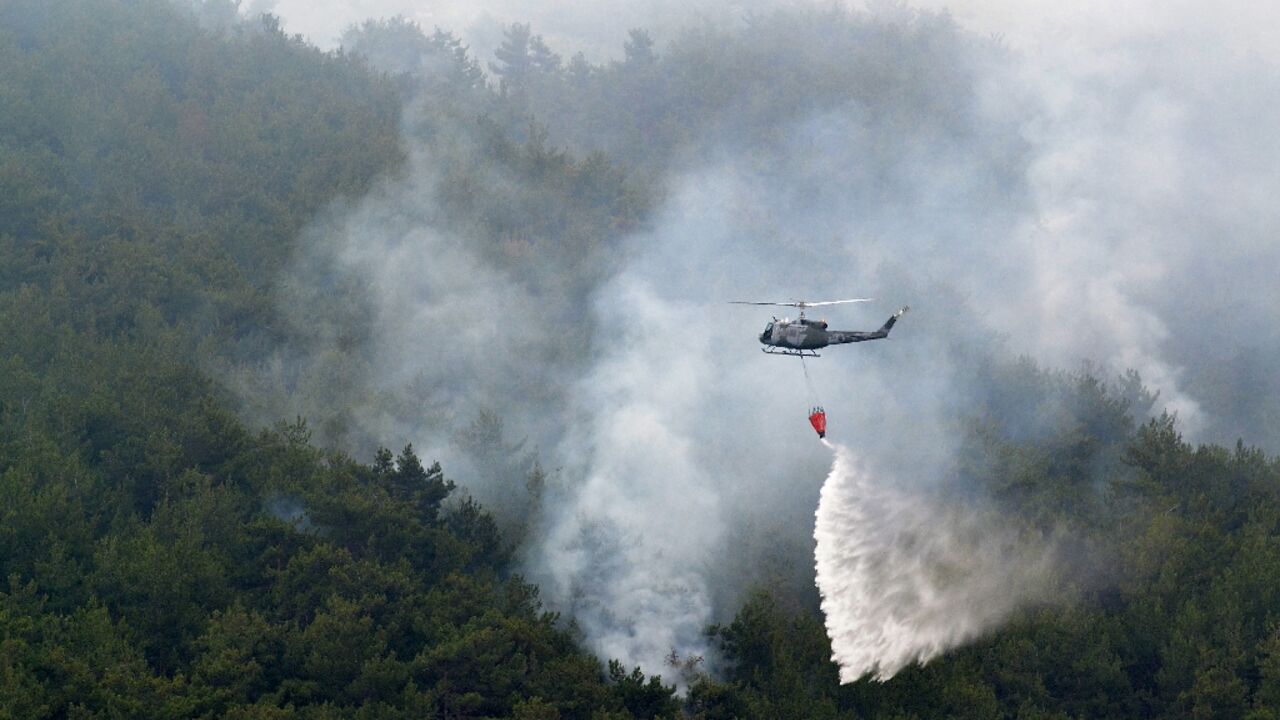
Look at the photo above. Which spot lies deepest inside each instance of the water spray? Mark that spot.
(904, 578)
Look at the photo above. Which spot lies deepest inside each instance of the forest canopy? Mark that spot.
(168, 548)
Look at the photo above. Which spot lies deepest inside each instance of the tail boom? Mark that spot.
(839, 337)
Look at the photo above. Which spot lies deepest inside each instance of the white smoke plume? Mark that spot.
(625, 549)
(904, 578)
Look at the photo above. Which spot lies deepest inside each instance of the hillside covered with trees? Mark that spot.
(164, 554)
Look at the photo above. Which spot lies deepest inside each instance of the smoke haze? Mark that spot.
(1091, 196)
(597, 29)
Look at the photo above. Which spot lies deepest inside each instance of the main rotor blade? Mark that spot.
(801, 303)
(834, 302)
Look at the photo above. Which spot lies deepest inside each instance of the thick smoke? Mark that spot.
(905, 577)
(405, 330)
(627, 547)
(1105, 198)
(1150, 244)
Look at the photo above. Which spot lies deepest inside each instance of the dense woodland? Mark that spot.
(162, 558)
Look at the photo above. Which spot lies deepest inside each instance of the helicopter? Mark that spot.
(803, 337)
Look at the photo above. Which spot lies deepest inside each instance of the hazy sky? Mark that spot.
(1243, 26)
(598, 29)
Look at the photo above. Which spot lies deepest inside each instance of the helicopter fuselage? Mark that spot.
(803, 336)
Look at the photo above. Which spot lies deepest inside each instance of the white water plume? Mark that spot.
(904, 578)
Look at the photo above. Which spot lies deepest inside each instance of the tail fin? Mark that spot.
(888, 324)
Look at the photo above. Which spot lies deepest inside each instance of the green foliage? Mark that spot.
(359, 592)
(161, 559)
(642, 699)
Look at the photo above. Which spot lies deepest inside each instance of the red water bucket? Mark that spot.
(818, 419)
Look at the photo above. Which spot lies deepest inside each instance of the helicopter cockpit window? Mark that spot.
(768, 329)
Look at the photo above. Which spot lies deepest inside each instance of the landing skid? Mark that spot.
(774, 350)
